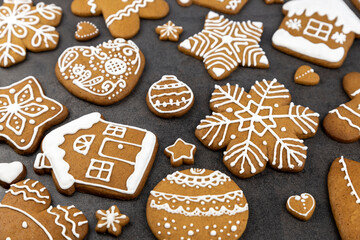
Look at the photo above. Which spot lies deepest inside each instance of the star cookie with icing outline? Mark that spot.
(111, 221)
(180, 153)
(169, 31)
(26, 113)
(223, 45)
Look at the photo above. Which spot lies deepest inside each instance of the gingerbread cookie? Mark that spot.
(85, 31)
(122, 18)
(225, 6)
(104, 74)
(24, 26)
(26, 213)
(223, 45)
(356, 3)
(273, 1)
(26, 113)
(301, 207)
(259, 127)
(321, 32)
(169, 97)
(11, 173)
(197, 204)
(169, 31)
(343, 186)
(343, 123)
(180, 152)
(111, 221)
(98, 157)
(305, 75)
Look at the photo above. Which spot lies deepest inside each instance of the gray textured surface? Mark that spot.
(266, 192)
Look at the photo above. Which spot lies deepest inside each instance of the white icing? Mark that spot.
(294, 24)
(213, 179)
(110, 218)
(10, 171)
(24, 225)
(79, 27)
(191, 152)
(169, 29)
(73, 224)
(343, 117)
(303, 196)
(92, 5)
(57, 217)
(339, 37)
(347, 178)
(83, 143)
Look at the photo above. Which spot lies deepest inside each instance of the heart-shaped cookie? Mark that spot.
(85, 31)
(11, 173)
(305, 75)
(301, 207)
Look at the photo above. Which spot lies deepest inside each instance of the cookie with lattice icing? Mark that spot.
(224, 6)
(104, 74)
(257, 128)
(122, 18)
(26, 213)
(197, 204)
(343, 123)
(223, 45)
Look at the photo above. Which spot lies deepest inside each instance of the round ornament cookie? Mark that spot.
(104, 74)
(197, 204)
(169, 97)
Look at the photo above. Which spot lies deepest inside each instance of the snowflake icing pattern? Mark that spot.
(339, 37)
(111, 221)
(20, 21)
(294, 24)
(259, 127)
(169, 31)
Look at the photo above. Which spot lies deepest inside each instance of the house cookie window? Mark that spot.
(115, 131)
(100, 170)
(318, 29)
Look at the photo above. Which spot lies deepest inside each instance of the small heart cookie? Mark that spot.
(305, 75)
(11, 173)
(86, 31)
(301, 207)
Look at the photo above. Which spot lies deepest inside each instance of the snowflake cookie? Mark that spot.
(26, 113)
(24, 26)
(258, 127)
(26, 213)
(223, 45)
(169, 31)
(180, 152)
(224, 6)
(111, 221)
(122, 17)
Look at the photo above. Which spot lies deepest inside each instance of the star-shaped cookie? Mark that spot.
(111, 221)
(180, 152)
(223, 45)
(169, 31)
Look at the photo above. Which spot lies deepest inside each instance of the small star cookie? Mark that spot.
(180, 152)
(111, 221)
(169, 31)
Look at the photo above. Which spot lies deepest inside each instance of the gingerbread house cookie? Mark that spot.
(98, 157)
(320, 31)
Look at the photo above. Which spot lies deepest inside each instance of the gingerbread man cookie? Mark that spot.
(224, 6)
(122, 17)
(111, 221)
(26, 113)
(11, 173)
(301, 207)
(85, 31)
(259, 127)
(180, 152)
(169, 31)
(24, 26)
(26, 213)
(223, 45)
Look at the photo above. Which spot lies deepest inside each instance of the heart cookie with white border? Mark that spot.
(11, 173)
(85, 31)
(301, 207)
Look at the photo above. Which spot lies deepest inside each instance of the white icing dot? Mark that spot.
(12, 91)
(120, 146)
(24, 224)
(233, 136)
(159, 232)
(229, 110)
(206, 227)
(22, 140)
(52, 108)
(233, 228)
(167, 225)
(169, 233)
(158, 224)
(184, 227)
(173, 221)
(297, 198)
(283, 129)
(214, 226)
(191, 224)
(32, 121)
(265, 143)
(8, 238)
(237, 222)
(39, 99)
(276, 105)
(1, 127)
(191, 233)
(213, 233)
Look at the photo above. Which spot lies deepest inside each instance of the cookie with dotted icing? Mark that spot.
(26, 213)
(169, 97)
(257, 128)
(224, 6)
(85, 31)
(305, 75)
(343, 123)
(26, 113)
(223, 45)
(343, 186)
(111, 221)
(122, 18)
(11, 173)
(197, 204)
(301, 206)
(98, 157)
(25, 26)
(104, 74)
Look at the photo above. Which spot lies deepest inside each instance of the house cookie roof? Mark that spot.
(333, 9)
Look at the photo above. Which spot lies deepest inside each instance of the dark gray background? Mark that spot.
(267, 192)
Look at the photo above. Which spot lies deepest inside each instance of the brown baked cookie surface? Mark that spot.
(225, 6)
(356, 4)
(95, 156)
(305, 75)
(11, 173)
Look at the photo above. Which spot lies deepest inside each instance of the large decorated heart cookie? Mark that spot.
(104, 74)
(98, 157)
(26, 213)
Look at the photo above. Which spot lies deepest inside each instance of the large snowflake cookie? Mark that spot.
(121, 17)
(24, 26)
(320, 31)
(26, 213)
(98, 157)
(223, 45)
(225, 6)
(197, 204)
(258, 127)
(26, 113)
(343, 123)
(104, 74)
